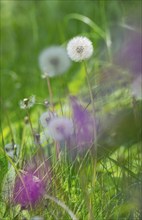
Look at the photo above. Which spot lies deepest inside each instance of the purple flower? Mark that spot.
(31, 185)
(129, 55)
(136, 88)
(84, 125)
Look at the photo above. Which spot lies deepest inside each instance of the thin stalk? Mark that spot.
(30, 122)
(62, 205)
(92, 101)
(57, 150)
(50, 92)
(95, 137)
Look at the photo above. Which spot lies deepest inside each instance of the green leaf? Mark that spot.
(2, 209)
(8, 184)
(89, 22)
(3, 166)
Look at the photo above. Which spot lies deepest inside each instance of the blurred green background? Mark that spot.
(27, 27)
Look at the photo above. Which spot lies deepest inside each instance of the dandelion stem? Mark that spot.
(91, 97)
(95, 136)
(30, 122)
(57, 149)
(50, 91)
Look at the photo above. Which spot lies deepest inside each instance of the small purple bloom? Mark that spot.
(84, 125)
(31, 185)
(30, 192)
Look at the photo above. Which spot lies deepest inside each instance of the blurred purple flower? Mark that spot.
(31, 185)
(129, 55)
(84, 125)
(136, 87)
(60, 128)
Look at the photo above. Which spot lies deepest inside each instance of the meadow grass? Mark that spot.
(85, 186)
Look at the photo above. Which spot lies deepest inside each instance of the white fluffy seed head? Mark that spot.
(46, 117)
(60, 128)
(11, 149)
(79, 48)
(54, 61)
(27, 102)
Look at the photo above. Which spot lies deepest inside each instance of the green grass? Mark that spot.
(110, 189)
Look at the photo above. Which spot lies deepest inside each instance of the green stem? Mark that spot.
(50, 92)
(30, 122)
(91, 97)
(94, 160)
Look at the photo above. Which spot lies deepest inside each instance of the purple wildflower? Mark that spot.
(31, 185)
(84, 125)
(136, 87)
(129, 55)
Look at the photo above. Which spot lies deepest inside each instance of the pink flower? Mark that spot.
(30, 186)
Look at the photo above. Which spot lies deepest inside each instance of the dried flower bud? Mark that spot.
(26, 120)
(11, 150)
(27, 102)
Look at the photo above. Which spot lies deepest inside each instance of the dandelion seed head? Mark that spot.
(46, 103)
(79, 48)
(11, 149)
(60, 128)
(46, 117)
(27, 103)
(53, 61)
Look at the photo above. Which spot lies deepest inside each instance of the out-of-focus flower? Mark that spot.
(30, 187)
(46, 103)
(31, 192)
(84, 125)
(130, 56)
(79, 48)
(54, 61)
(11, 150)
(46, 117)
(60, 128)
(27, 103)
(136, 87)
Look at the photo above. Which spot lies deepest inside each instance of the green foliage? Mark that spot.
(3, 166)
(106, 190)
